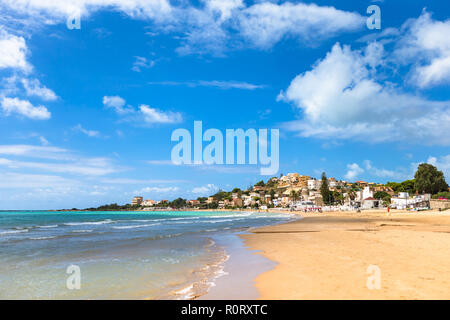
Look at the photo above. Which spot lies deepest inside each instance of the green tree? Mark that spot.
(428, 179)
(202, 199)
(381, 195)
(327, 196)
(293, 195)
(178, 203)
(338, 197)
(272, 194)
(260, 183)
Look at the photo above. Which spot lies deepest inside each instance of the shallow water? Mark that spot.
(121, 255)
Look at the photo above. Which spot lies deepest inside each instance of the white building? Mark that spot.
(314, 184)
(367, 193)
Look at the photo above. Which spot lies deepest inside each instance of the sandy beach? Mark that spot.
(327, 256)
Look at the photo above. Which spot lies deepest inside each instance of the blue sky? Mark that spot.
(86, 115)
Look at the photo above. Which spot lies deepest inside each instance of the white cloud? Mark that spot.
(87, 167)
(117, 103)
(60, 10)
(212, 83)
(142, 63)
(354, 170)
(152, 115)
(44, 152)
(211, 26)
(341, 98)
(62, 160)
(205, 190)
(24, 108)
(11, 180)
(89, 133)
(426, 45)
(266, 23)
(13, 50)
(384, 173)
(144, 113)
(34, 88)
(157, 190)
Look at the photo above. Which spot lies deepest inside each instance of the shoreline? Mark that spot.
(327, 255)
(237, 282)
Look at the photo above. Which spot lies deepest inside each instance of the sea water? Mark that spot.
(120, 255)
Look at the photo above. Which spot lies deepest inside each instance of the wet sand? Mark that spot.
(240, 270)
(327, 256)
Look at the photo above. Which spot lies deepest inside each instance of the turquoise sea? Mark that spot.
(120, 255)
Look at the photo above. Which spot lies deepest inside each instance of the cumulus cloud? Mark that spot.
(354, 170)
(13, 51)
(425, 44)
(341, 97)
(24, 108)
(264, 24)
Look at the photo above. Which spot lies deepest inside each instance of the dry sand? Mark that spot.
(326, 256)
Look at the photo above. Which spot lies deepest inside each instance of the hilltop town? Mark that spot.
(294, 191)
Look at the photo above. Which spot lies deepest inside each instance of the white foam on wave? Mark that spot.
(83, 231)
(89, 223)
(136, 226)
(185, 293)
(43, 238)
(14, 231)
(49, 226)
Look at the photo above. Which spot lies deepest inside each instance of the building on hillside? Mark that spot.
(289, 179)
(332, 182)
(148, 203)
(303, 181)
(137, 201)
(362, 183)
(314, 184)
(237, 202)
(255, 195)
(194, 202)
(383, 188)
(210, 200)
(258, 188)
